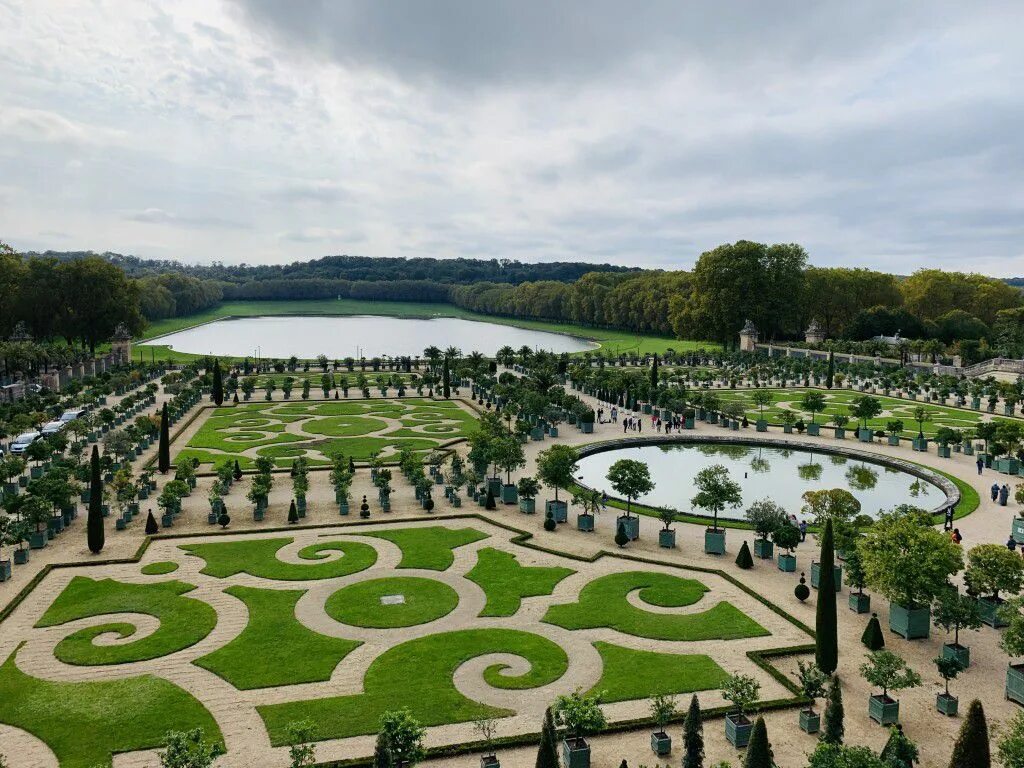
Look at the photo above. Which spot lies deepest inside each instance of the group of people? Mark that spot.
(632, 423)
(1000, 494)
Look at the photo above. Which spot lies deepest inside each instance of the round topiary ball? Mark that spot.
(549, 522)
(802, 591)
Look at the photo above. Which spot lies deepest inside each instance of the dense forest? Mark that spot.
(773, 285)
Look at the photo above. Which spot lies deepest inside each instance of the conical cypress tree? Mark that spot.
(489, 504)
(654, 373)
(743, 559)
(237, 474)
(830, 377)
(446, 380)
(693, 736)
(164, 450)
(293, 514)
(94, 524)
(547, 754)
(873, 638)
(971, 748)
(834, 729)
(826, 649)
(151, 526)
(759, 750)
(218, 384)
(620, 535)
(899, 751)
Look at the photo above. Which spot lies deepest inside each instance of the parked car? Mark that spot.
(53, 427)
(23, 441)
(71, 414)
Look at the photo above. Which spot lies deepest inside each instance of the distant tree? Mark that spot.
(826, 648)
(759, 750)
(164, 448)
(94, 523)
(833, 730)
(218, 384)
(693, 736)
(971, 749)
(188, 749)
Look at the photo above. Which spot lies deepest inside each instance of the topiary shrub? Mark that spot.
(801, 590)
(549, 522)
(743, 559)
(620, 535)
(873, 638)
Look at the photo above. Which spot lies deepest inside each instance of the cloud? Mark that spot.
(323, 235)
(50, 127)
(315, 190)
(160, 216)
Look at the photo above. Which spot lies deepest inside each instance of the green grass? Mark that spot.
(602, 603)
(838, 402)
(506, 582)
(428, 548)
(159, 569)
(85, 723)
(418, 675)
(258, 557)
(184, 621)
(629, 674)
(354, 428)
(359, 604)
(611, 341)
(275, 648)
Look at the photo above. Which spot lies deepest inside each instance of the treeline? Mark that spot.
(79, 300)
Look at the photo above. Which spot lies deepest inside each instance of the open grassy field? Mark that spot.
(611, 341)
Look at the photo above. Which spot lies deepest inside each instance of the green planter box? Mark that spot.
(883, 709)
(667, 539)
(787, 563)
(943, 451)
(21, 556)
(509, 494)
(989, 610)
(910, 623)
(661, 743)
(894, 440)
(864, 435)
(764, 549)
(714, 541)
(588, 429)
(1015, 683)
(575, 753)
(494, 486)
(814, 429)
(631, 524)
(737, 730)
(920, 444)
(585, 522)
(528, 506)
(1008, 464)
(947, 704)
(761, 426)
(960, 652)
(558, 509)
(840, 433)
(1017, 529)
(816, 575)
(810, 721)
(859, 602)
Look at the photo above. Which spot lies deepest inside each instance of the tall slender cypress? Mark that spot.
(759, 750)
(218, 384)
(94, 523)
(693, 736)
(826, 650)
(830, 377)
(834, 729)
(547, 753)
(654, 374)
(164, 449)
(446, 379)
(971, 748)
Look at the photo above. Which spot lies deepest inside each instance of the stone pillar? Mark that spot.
(748, 338)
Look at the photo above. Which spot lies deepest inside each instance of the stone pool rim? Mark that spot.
(947, 486)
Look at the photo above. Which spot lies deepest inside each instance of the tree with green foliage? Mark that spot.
(828, 755)
(716, 491)
(826, 645)
(693, 736)
(743, 558)
(630, 478)
(507, 453)
(991, 569)
(899, 751)
(872, 637)
(1011, 741)
(889, 671)
(813, 402)
(580, 714)
(446, 379)
(765, 516)
(302, 749)
(547, 753)
(164, 447)
(188, 749)
(971, 749)
(218, 383)
(762, 398)
(759, 749)
(830, 375)
(557, 465)
(94, 523)
(953, 611)
(865, 408)
(833, 730)
(399, 740)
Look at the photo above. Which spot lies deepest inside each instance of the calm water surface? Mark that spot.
(359, 336)
(777, 473)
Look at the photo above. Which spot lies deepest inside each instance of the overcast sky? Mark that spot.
(876, 134)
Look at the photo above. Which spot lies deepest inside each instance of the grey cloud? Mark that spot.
(160, 216)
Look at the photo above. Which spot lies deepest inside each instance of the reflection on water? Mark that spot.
(782, 475)
(359, 336)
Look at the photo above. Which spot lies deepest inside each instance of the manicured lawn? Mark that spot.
(159, 569)
(629, 674)
(363, 604)
(611, 341)
(506, 582)
(184, 621)
(319, 430)
(602, 603)
(838, 402)
(86, 723)
(418, 675)
(275, 648)
(258, 557)
(429, 548)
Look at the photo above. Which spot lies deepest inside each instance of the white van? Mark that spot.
(71, 415)
(53, 427)
(23, 441)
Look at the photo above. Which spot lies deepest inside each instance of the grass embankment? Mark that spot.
(611, 341)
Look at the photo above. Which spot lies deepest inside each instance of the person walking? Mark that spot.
(1011, 544)
(803, 530)
(981, 464)
(1004, 495)
(995, 491)
(955, 536)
